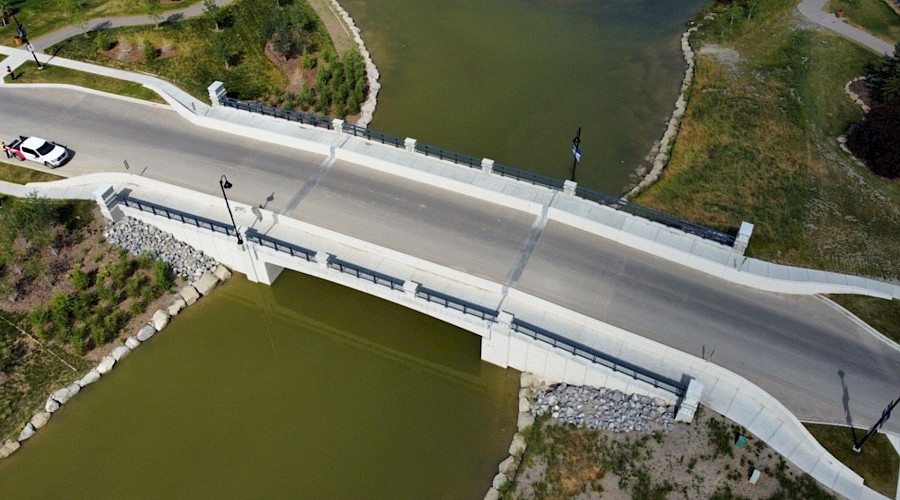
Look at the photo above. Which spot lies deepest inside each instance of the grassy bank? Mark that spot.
(19, 174)
(758, 143)
(882, 315)
(877, 462)
(874, 16)
(44, 16)
(29, 73)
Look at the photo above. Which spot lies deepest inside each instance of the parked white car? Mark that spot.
(40, 150)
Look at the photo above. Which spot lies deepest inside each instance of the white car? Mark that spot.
(40, 150)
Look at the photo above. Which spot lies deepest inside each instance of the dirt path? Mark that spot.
(337, 29)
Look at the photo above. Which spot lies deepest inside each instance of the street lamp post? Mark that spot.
(885, 415)
(224, 184)
(576, 152)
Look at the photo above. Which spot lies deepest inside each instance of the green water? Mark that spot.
(512, 80)
(302, 390)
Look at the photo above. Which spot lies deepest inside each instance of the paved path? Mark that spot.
(50, 39)
(813, 10)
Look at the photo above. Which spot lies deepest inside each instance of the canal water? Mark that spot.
(512, 80)
(302, 390)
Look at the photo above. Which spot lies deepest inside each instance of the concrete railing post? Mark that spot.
(487, 166)
(689, 402)
(322, 259)
(410, 288)
(338, 125)
(410, 145)
(106, 200)
(569, 188)
(216, 92)
(743, 237)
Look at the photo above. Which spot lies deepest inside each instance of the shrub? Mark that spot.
(135, 285)
(162, 275)
(884, 78)
(875, 140)
(102, 40)
(80, 279)
(149, 51)
(61, 309)
(145, 259)
(308, 61)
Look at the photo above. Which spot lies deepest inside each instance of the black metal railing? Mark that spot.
(659, 217)
(280, 245)
(526, 176)
(169, 213)
(456, 304)
(374, 135)
(595, 356)
(287, 114)
(500, 169)
(366, 274)
(445, 154)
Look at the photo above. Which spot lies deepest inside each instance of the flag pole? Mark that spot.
(576, 152)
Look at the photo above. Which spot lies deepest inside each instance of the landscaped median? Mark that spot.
(29, 73)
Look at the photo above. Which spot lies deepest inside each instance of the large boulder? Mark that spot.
(508, 466)
(89, 378)
(222, 273)
(189, 294)
(517, 446)
(120, 352)
(524, 405)
(40, 419)
(27, 432)
(106, 364)
(176, 306)
(499, 480)
(160, 319)
(145, 333)
(63, 395)
(8, 448)
(51, 405)
(524, 421)
(132, 342)
(492, 494)
(206, 283)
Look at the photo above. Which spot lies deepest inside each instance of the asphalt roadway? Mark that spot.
(794, 347)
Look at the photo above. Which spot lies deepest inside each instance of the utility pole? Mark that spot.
(576, 152)
(885, 415)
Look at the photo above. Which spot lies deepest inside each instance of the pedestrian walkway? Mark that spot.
(813, 10)
(50, 39)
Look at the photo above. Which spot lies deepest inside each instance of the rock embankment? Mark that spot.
(604, 409)
(138, 237)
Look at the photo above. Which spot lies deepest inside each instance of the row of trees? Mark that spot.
(876, 140)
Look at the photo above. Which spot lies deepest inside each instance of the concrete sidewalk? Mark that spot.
(813, 10)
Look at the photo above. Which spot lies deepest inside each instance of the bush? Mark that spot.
(80, 279)
(308, 61)
(162, 275)
(884, 78)
(135, 285)
(102, 41)
(149, 51)
(61, 309)
(876, 140)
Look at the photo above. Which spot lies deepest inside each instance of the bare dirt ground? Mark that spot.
(696, 461)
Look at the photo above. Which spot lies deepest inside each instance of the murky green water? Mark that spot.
(302, 390)
(512, 80)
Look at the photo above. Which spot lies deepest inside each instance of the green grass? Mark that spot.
(882, 315)
(28, 73)
(18, 174)
(44, 16)
(192, 64)
(874, 16)
(877, 463)
(758, 144)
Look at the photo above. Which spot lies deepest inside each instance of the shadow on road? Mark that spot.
(845, 399)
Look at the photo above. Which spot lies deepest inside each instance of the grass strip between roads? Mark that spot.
(877, 462)
(19, 174)
(28, 73)
(882, 315)
(874, 16)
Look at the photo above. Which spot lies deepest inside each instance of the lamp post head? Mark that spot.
(224, 182)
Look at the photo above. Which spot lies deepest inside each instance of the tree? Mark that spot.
(212, 12)
(222, 50)
(876, 140)
(884, 78)
(154, 9)
(5, 10)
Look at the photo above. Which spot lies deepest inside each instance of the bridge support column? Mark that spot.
(743, 237)
(495, 347)
(216, 91)
(260, 271)
(106, 200)
(688, 405)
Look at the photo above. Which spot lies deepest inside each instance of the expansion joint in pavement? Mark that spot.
(311, 183)
(540, 222)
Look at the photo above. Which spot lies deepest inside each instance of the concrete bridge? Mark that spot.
(507, 260)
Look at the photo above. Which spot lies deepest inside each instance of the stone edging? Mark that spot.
(528, 383)
(853, 95)
(664, 147)
(187, 296)
(368, 106)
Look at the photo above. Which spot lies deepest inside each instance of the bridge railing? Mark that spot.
(177, 215)
(598, 357)
(503, 170)
(456, 304)
(287, 114)
(280, 246)
(366, 274)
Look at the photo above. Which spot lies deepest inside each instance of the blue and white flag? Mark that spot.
(576, 153)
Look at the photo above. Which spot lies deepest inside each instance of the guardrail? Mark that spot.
(503, 170)
(483, 313)
(600, 358)
(178, 215)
